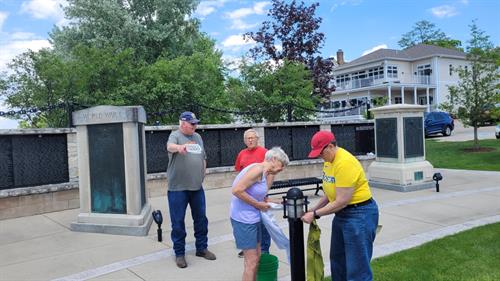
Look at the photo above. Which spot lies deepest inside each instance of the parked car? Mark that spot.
(438, 122)
(497, 131)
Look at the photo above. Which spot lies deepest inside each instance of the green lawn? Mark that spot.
(452, 155)
(469, 255)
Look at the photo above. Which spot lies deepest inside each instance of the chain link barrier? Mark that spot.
(72, 106)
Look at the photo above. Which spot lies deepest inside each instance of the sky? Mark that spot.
(355, 26)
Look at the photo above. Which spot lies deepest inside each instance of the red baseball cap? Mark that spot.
(319, 141)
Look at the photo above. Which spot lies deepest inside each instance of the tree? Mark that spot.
(152, 28)
(184, 83)
(268, 91)
(45, 80)
(121, 53)
(425, 32)
(478, 89)
(292, 34)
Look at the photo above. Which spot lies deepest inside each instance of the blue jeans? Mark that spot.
(351, 248)
(265, 242)
(177, 204)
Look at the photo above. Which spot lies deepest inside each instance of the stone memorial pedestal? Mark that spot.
(400, 149)
(112, 170)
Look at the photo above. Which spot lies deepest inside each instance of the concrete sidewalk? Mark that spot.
(43, 248)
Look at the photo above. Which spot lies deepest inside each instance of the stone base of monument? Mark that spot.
(120, 224)
(402, 177)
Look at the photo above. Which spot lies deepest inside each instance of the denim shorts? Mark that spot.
(246, 235)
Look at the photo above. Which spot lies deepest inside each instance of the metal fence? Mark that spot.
(38, 159)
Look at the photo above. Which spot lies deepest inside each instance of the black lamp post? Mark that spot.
(437, 177)
(294, 204)
(158, 218)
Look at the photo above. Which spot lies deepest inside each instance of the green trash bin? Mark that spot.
(268, 268)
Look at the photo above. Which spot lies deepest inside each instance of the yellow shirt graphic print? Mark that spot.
(345, 171)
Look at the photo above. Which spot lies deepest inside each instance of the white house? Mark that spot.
(416, 75)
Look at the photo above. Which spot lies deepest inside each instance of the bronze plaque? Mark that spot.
(386, 141)
(107, 168)
(413, 136)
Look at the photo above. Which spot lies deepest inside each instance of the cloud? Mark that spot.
(241, 25)
(339, 3)
(204, 11)
(378, 47)
(18, 43)
(465, 2)
(237, 41)
(258, 9)
(238, 15)
(43, 9)
(206, 8)
(444, 11)
(22, 35)
(3, 17)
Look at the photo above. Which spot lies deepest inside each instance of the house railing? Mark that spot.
(367, 82)
(357, 111)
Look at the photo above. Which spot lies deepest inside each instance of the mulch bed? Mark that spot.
(480, 149)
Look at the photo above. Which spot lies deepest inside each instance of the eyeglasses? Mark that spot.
(251, 138)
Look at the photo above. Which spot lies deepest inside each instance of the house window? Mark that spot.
(376, 73)
(358, 75)
(342, 80)
(423, 100)
(398, 100)
(451, 70)
(424, 70)
(392, 71)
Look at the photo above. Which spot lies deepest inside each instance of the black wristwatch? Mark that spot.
(316, 216)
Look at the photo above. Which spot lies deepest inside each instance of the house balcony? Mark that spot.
(369, 82)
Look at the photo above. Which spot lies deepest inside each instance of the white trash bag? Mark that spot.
(275, 232)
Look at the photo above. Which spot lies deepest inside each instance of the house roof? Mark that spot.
(413, 53)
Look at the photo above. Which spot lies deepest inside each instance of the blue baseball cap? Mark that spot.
(188, 116)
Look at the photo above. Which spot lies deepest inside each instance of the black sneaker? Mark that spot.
(241, 255)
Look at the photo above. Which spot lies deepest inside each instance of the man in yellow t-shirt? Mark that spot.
(348, 195)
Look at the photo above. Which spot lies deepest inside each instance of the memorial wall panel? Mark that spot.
(156, 152)
(6, 166)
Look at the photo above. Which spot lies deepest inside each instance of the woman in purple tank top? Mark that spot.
(249, 198)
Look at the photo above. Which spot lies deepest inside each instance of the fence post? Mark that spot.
(69, 109)
(289, 113)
